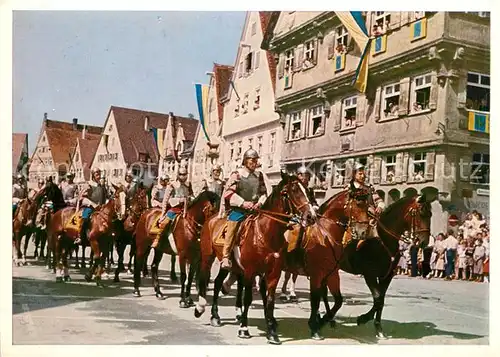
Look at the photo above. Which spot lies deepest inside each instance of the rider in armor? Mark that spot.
(245, 191)
(69, 190)
(94, 196)
(214, 183)
(304, 176)
(177, 195)
(19, 191)
(361, 191)
(130, 186)
(158, 191)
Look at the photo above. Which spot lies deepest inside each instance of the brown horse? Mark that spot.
(183, 242)
(377, 258)
(23, 226)
(260, 252)
(61, 238)
(124, 229)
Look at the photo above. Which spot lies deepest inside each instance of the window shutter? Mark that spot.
(360, 110)
(299, 58)
(376, 103)
(316, 49)
(240, 70)
(331, 47)
(404, 94)
(399, 168)
(281, 66)
(434, 92)
(337, 115)
(303, 124)
(286, 129)
(462, 90)
(257, 59)
(369, 163)
(395, 20)
(430, 165)
(406, 159)
(348, 170)
(377, 164)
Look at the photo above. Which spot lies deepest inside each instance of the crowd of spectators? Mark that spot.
(461, 254)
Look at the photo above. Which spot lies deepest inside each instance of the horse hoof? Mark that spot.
(381, 336)
(183, 304)
(67, 278)
(160, 296)
(59, 279)
(316, 336)
(215, 322)
(197, 313)
(137, 293)
(244, 333)
(273, 339)
(293, 298)
(88, 278)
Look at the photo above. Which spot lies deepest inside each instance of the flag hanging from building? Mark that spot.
(354, 23)
(202, 100)
(159, 136)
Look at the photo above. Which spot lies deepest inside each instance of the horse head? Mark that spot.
(412, 214)
(119, 198)
(204, 206)
(294, 197)
(355, 213)
(137, 205)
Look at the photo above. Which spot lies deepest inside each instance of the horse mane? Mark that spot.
(400, 204)
(325, 204)
(205, 196)
(276, 191)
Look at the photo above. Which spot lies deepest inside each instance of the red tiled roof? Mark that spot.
(19, 140)
(223, 74)
(134, 140)
(62, 138)
(265, 22)
(88, 148)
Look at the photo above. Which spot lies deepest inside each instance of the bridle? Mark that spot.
(289, 204)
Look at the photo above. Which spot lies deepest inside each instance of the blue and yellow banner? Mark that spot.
(202, 100)
(159, 136)
(355, 25)
(479, 121)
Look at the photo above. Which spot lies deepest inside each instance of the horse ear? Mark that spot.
(114, 186)
(284, 175)
(421, 199)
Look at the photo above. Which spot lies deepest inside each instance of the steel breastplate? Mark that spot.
(248, 188)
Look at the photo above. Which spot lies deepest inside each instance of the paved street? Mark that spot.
(417, 312)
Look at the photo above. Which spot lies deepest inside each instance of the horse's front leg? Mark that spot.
(193, 269)
(173, 276)
(239, 297)
(25, 250)
(215, 318)
(120, 247)
(77, 251)
(333, 283)
(154, 273)
(272, 279)
(247, 301)
(203, 279)
(182, 263)
(379, 306)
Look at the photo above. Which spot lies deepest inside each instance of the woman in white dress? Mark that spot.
(440, 249)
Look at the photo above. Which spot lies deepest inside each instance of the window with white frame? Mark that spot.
(319, 174)
(250, 143)
(238, 149)
(421, 92)
(478, 92)
(272, 142)
(419, 14)
(480, 169)
(248, 63)
(309, 50)
(418, 170)
(316, 120)
(289, 60)
(338, 173)
(391, 100)
(259, 145)
(295, 125)
(231, 151)
(389, 172)
(349, 111)
(256, 103)
(341, 40)
(382, 20)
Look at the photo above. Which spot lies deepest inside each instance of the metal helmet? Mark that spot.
(19, 176)
(216, 167)
(250, 154)
(358, 166)
(182, 171)
(164, 177)
(302, 170)
(70, 175)
(95, 170)
(41, 181)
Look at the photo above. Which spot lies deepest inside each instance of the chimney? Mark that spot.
(146, 123)
(44, 116)
(84, 131)
(75, 123)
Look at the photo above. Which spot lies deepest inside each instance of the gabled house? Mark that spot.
(83, 156)
(205, 156)
(19, 153)
(249, 116)
(56, 144)
(128, 143)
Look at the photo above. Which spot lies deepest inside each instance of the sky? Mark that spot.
(76, 64)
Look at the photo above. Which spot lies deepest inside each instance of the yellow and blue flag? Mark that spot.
(202, 100)
(354, 23)
(159, 136)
